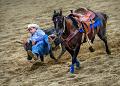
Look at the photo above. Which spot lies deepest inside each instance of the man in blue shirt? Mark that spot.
(38, 42)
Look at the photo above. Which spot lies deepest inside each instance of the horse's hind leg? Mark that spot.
(92, 40)
(89, 42)
(104, 38)
(42, 58)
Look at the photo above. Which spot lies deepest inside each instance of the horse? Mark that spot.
(72, 36)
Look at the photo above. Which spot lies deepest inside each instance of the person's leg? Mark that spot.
(29, 57)
(41, 58)
(32, 55)
(28, 46)
(34, 52)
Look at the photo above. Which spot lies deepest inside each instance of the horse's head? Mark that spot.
(63, 24)
(58, 21)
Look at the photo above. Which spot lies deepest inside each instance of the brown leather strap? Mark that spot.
(70, 37)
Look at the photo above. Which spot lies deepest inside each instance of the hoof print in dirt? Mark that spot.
(91, 49)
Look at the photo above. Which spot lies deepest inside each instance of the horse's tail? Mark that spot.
(105, 17)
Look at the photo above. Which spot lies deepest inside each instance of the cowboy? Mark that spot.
(37, 44)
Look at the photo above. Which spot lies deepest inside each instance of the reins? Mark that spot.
(63, 24)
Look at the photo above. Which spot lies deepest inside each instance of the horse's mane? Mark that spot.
(75, 23)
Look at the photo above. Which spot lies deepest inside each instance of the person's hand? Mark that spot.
(24, 40)
(33, 43)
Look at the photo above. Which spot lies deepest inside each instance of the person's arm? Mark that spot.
(38, 36)
(35, 39)
(24, 40)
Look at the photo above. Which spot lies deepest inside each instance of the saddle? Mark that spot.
(84, 27)
(87, 25)
(88, 21)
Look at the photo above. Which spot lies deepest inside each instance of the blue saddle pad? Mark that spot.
(97, 23)
(81, 30)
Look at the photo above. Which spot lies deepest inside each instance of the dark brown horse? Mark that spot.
(72, 36)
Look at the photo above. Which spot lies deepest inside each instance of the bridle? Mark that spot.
(59, 22)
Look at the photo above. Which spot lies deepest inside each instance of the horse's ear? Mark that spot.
(61, 11)
(71, 11)
(54, 11)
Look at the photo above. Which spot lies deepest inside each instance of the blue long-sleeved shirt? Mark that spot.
(37, 36)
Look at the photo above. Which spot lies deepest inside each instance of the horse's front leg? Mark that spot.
(52, 55)
(74, 54)
(74, 61)
(62, 51)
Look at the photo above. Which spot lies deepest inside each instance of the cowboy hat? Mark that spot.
(33, 25)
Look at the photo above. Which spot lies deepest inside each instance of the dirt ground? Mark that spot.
(97, 68)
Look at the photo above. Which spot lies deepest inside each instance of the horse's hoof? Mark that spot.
(56, 61)
(91, 49)
(108, 52)
(78, 65)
